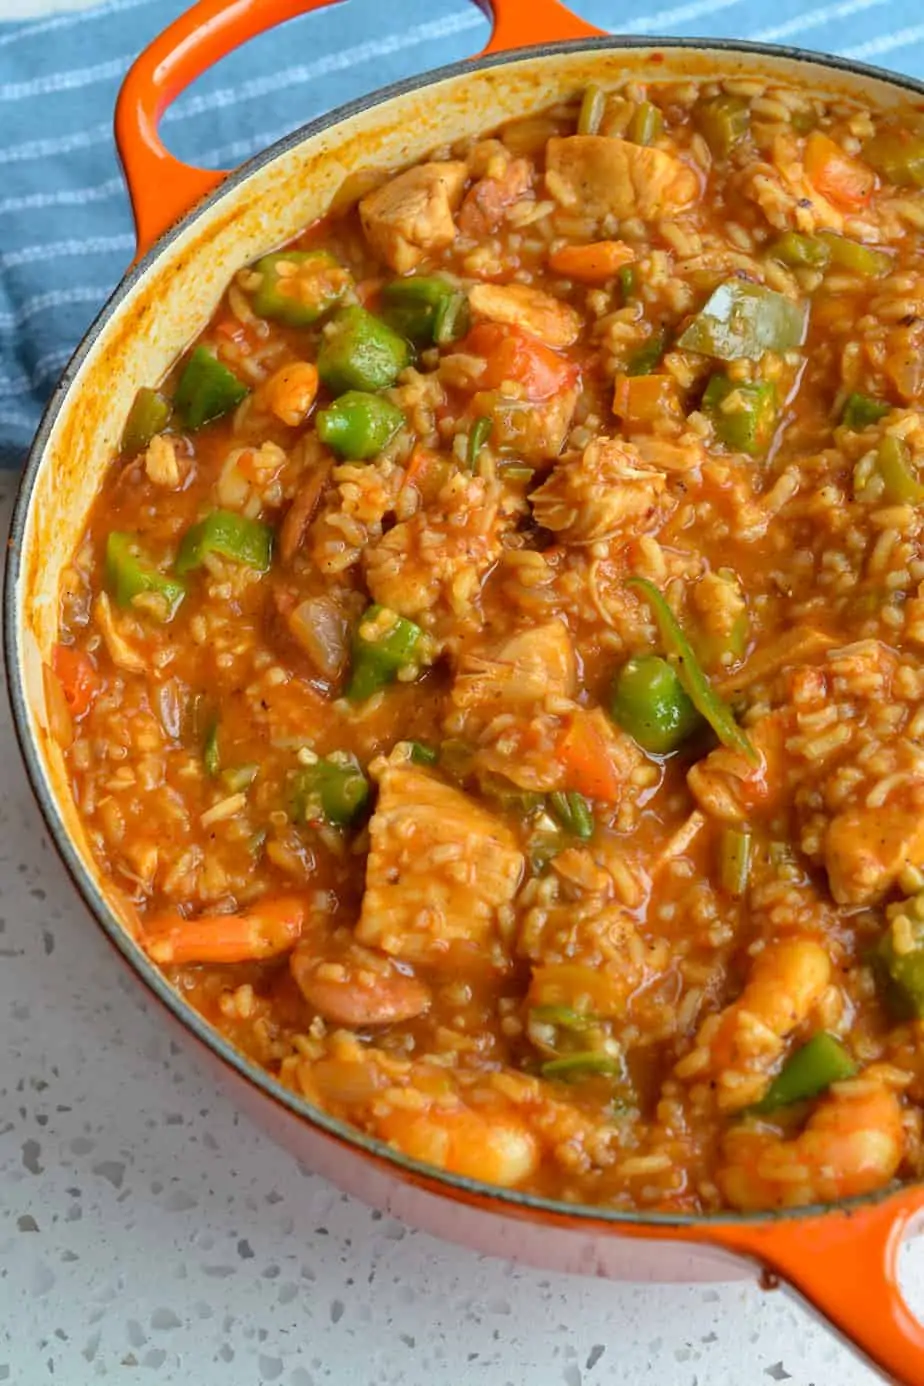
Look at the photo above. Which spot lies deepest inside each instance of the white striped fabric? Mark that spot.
(65, 227)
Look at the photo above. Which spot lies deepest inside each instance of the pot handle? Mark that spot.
(845, 1264)
(162, 189)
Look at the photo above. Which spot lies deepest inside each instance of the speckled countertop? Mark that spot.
(150, 1233)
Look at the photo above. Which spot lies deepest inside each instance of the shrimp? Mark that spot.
(249, 477)
(290, 392)
(737, 1049)
(161, 463)
(359, 988)
(487, 1144)
(852, 1144)
(269, 927)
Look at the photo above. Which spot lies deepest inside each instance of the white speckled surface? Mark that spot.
(147, 1233)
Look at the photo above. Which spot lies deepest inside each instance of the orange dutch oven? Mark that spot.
(195, 229)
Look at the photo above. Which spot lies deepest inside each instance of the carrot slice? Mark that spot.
(78, 677)
(592, 264)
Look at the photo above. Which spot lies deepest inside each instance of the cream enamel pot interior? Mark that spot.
(843, 1258)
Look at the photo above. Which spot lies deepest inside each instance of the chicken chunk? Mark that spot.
(866, 852)
(600, 176)
(161, 462)
(412, 214)
(512, 704)
(606, 490)
(525, 669)
(518, 305)
(123, 654)
(440, 873)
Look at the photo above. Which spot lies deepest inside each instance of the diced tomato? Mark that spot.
(587, 765)
(420, 462)
(78, 678)
(845, 181)
(512, 354)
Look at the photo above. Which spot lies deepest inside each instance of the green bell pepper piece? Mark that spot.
(744, 415)
(360, 352)
(477, 438)
(233, 536)
(699, 691)
(855, 257)
(804, 121)
(722, 121)
(239, 777)
(627, 282)
(298, 286)
(129, 573)
(900, 483)
(207, 390)
(643, 361)
(573, 813)
(593, 106)
(426, 308)
(422, 754)
(745, 320)
(383, 645)
(211, 753)
(819, 1062)
(898, 155)
(359, 425)
(860, 411)
(646, 123)
(734, 861)
(510, 798)
(585, 1065)
(333, 789)
(902, 972)
(564, 1017)
(649, 702)
(148, 416)
(801, 252)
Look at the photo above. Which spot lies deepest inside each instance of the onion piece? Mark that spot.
(321, 629)
(60, 722)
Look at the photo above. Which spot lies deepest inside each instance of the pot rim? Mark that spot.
(439, 1181)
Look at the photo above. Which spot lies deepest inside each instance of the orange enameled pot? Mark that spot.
(195, 229)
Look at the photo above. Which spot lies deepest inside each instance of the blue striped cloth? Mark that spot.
(65, 227)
